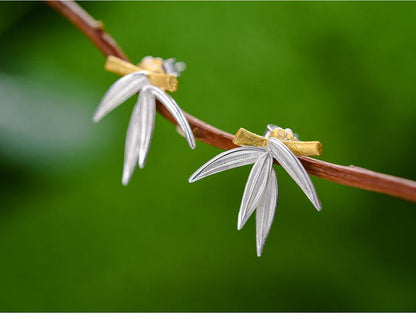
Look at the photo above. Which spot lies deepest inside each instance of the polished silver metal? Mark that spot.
(176, 112)
(265, 211)
(269, 129)
(141, 125)
(139, 134)
(256, 184)
(172, 67)
(235, 157)
(294, 168)
(119, 92)
(261, 190)
(147, 112)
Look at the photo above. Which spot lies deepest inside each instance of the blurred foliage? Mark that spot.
(72, 238)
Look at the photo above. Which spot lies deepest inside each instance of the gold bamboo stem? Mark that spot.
(118, 66)
(310, 148)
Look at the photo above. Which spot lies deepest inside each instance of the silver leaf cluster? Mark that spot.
(261, 190)
(140, 130)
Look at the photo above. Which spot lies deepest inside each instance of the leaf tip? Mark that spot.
(192, 144)
(192, 178)
(259, 251)
(240, 224)
(142, 160)
(96, 117)
(126, 177)
(318, 205)
(261, 241)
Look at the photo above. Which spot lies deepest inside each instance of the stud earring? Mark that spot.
(261, 190)
(151, 78)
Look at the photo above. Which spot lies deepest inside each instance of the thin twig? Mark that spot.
(346, 175)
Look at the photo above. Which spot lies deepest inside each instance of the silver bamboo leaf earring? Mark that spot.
(261, 190)
(151, 78)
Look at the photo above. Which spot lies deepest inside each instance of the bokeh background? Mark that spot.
(72, 238)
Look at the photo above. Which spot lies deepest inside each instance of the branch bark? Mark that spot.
(347, 175)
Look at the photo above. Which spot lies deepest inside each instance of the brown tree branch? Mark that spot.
(346, 175)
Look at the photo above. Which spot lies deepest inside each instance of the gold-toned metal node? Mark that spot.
(283, 134)
(152, 64)
(155, 72)
(245, 137)
(301, 148)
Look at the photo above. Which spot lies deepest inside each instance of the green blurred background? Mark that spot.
(72, 238)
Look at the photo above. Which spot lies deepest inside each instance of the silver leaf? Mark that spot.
(147, 115)
(255, 187)
(295, 169)
(141, 122)
(265, 211)
(235, 157)
(119, 92)
(176, 112)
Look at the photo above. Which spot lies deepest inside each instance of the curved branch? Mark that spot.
(346, 175)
